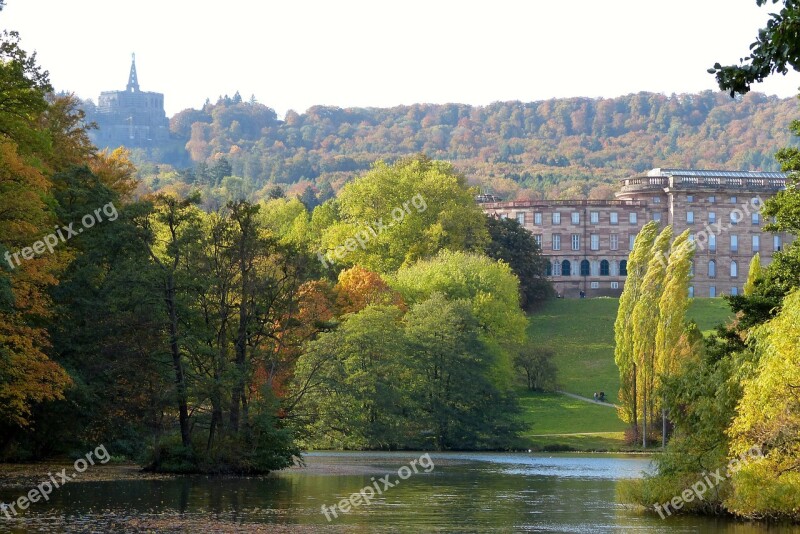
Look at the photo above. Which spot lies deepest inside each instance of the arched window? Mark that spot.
(566, 268)
(604, 268)
(623, 268)
(549, 269)
(585, 268)
(734, 269)
(712, 269)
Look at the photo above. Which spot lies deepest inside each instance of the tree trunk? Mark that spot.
(177, 363)
(644, 414)
(635, 409)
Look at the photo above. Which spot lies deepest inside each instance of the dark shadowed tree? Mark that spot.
(516, 246)
(775, 50)
(536, 363)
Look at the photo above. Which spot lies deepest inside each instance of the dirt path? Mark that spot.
(587, 399)
(573, 434)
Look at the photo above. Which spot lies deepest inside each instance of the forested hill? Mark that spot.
(559, 148)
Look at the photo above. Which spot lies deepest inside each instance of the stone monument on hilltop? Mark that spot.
(131, 118)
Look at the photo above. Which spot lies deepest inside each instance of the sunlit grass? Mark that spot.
(581, 332)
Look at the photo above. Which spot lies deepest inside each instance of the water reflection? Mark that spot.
(464, 493)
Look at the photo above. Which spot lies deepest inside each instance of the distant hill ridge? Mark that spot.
(559, 148)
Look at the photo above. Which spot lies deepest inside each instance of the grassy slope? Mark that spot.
(582, 334)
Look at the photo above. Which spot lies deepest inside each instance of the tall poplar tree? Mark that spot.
(672, 308)
(753, 274)
(644, 321)
(623, 352)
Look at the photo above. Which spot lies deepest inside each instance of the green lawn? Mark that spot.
(552, 413)
(708, 313)
(581, 332)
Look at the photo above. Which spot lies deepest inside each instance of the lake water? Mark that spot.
(461, 493)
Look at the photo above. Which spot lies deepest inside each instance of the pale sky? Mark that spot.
(295, 54)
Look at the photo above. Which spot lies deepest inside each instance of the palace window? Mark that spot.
(734, 269)
(595, 241)
(734, 200)
(734, 243)
(712, 269)
(633, 218)
(631, 241)
(576, 217)
(538, 239)
(712, 291)
(595, 285)
(734, 291)
(656, 200)
(657, 216)
(623, 268)
(556, 241)
(614, 285)
(756, 243)
(712, 243)
(594, 217)
(521, 218)
(691, 292)
(566, 268)
(585, 268)
(735, 218)
(690, 217)
(712, 199)
(712, 217)
(549, 269)
(605, 268)
(537, 218)
(556, 217)
(576, 241)
(689, 198)
(755, 218)
(776, 243)
(614, 241)
(614, 217)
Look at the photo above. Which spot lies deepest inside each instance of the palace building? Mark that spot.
(587, 242)
(132, 117)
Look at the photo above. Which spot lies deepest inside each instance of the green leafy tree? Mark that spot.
(513, 244)
(624, 354)
(754, 274)
(404, 212)
(672, 308)
(220, 170)
(489, 288)
(450, 381)
(536, 363)
(644, 322)
(768, 419)
(24, 86)
(775, 50)
(349, 382)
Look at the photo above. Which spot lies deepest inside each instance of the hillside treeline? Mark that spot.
(560, 148)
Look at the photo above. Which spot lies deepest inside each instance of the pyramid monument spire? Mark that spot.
(133, 80)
